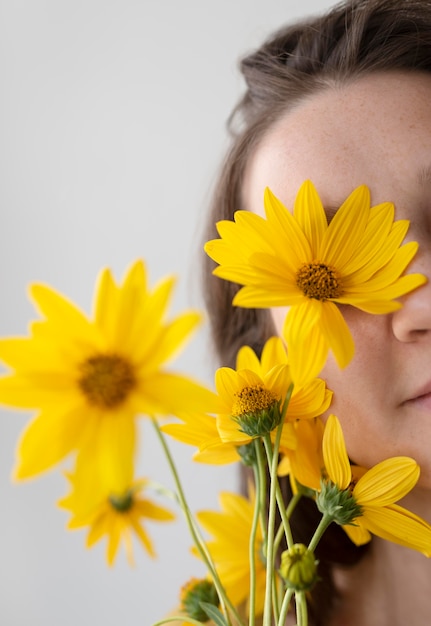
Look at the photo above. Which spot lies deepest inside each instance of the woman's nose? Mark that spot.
(413, 320)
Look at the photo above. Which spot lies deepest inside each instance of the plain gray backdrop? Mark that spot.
(112, 127)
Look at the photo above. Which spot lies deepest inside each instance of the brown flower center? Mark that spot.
(319, 281)
(252, 400)
(106, 380)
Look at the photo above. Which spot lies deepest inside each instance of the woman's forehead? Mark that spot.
(364, 132)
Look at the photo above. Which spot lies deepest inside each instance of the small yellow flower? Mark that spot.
(118, 514)
(89, 378)
(252, 396)
(299, 261)
(229, 548)
(375, 492)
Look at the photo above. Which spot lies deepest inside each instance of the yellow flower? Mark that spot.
(375, 491)
(251, 396)
(299, 261)
(117, 514)
(229, 548)
(89, 378)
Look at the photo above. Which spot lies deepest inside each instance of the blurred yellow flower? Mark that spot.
(299, 261)
(89, 378)
(229, 547)
(116, 514)
(375, 491)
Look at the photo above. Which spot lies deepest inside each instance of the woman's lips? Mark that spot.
(421, 398)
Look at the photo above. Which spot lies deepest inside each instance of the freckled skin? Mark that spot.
(374, 131)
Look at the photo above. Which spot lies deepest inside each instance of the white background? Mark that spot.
(112, 127)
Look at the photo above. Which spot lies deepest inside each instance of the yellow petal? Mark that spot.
(48, 439)
(309, 401)
(163, 393)
(217, 452)
(114, 447)
(335, 454)
(230, 432)
(307, 359)
(394, 523)
(387, 482)
(345, 231)
(309, 212)
(247, 359)
(300, 321)
(273, 353)
(288, 228)
(337, 334)
(358, 533)
(55, 306)
(106, 302)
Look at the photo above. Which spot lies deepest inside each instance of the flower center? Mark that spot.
(106, 380)
(319, 281)
(252, 400)
(122, 503)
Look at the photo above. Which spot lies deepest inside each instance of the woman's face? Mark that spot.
(375, 131)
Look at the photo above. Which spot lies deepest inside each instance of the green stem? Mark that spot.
(271, 520)
(286, 521)
(194, 531)
(261, 487)
(301, 608)
(323, 525)
(285, 607)
(252, 551)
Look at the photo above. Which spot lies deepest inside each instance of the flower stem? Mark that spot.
(194, 531)
(285, 607)
(301, 608)
(252, 551)
(261, 487)
(286, 521)
(323, 525)
(271, 520)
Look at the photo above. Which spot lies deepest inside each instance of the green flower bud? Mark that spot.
(193, 593)
(338, 503)
(299, 568)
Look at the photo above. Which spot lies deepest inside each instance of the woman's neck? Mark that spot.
(391, 586)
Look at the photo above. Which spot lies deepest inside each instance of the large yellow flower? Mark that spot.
(89, 378)
(229, 548)
(116, 513)
(299, 261)
(253, 394)
(375, 492)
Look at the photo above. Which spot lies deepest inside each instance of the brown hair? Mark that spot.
(354, 38)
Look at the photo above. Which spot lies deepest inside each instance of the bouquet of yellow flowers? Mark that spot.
(90, 380)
